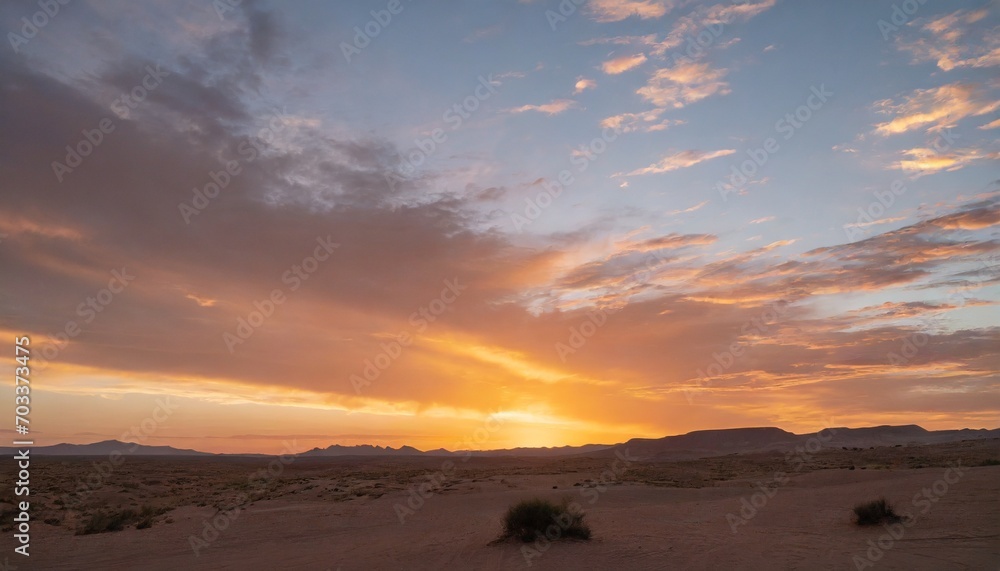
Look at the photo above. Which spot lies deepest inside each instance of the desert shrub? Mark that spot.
(990, 462)
(104, 522)
(875, 512)
(144, 519)
(531, 519)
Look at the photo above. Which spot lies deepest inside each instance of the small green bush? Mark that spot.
(875, 512)
(532, 519)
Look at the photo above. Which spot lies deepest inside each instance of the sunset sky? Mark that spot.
(633, 218)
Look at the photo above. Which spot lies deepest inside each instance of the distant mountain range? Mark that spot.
(363, 450)
(698, 444)
(703, 443)
(369, 450)
(107, 447)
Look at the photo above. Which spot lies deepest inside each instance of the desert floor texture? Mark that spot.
(343, 513)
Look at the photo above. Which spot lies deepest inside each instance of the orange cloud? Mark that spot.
(701, 18)
(928, 161)
(617, 10)
(991, 125)
(201, 301)
(552, 108)
(683, 159)
(583, 84)
(643, 121)
(16, 226)
(953, 42)
(698, 206)
(683, 84)
(623, 64)
(936, 108)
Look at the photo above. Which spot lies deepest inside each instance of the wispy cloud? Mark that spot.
(991, 125)
(201, 301)
(954, 40)
(644, 121)
(844, 149)
(622, 64)
(683, 84)
(617, 10)
(681, 160)
(673, 240)
(647, 40)
(936, 108)
(552, 108)
(704, 17)
(694, 208)
(483, 33)
(927, 161)
(877, 222)
(582, 84)
(510, 75)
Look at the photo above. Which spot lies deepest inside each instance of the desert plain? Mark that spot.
(763, 510)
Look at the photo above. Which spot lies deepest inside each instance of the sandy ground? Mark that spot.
(805, 524)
